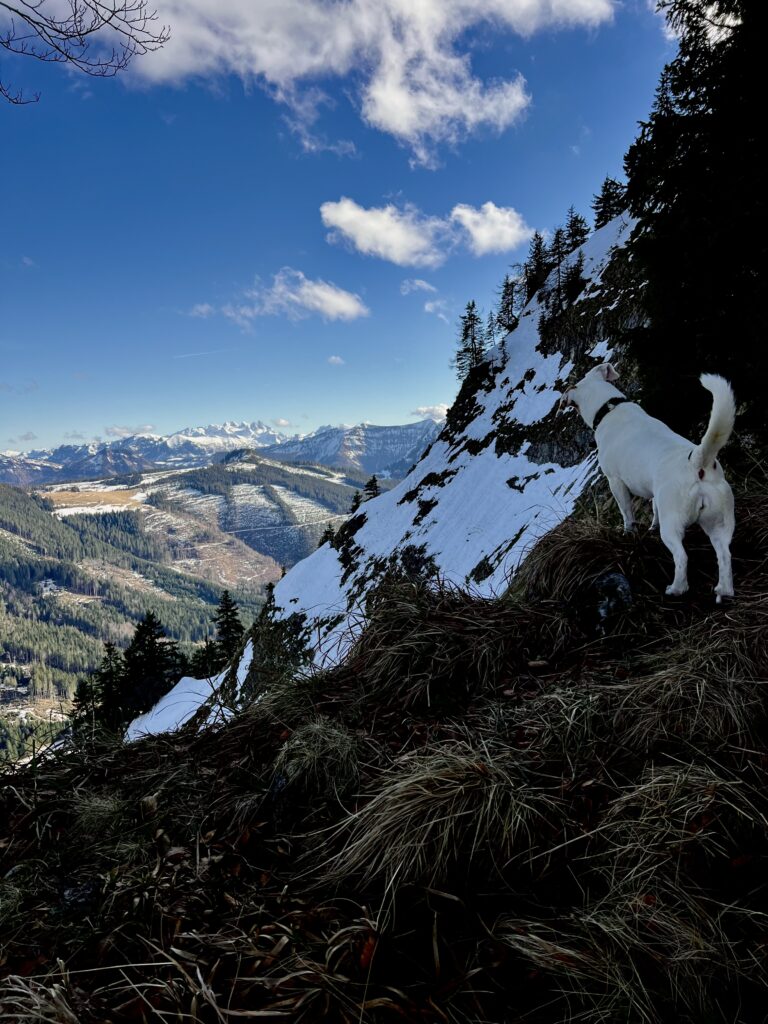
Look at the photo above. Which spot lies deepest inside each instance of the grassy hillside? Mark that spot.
(545, 807)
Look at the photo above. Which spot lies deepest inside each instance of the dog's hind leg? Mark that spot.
(655, 520)
(621, 493)
(672, 536)
(720, 532)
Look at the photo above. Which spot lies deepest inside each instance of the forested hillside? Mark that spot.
(280, 511)
(68, 586)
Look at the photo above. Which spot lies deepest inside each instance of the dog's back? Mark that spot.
(648, 455)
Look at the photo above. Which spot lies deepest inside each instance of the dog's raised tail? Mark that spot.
(720, 424)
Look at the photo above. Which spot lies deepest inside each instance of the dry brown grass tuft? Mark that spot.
(319, 758)
(438, 811)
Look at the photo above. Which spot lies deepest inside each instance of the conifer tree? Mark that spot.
(86, 706)
(609, 202)
(153, 664)
(558, 247)
(108, 684)
(573, 278)
(229, 628)
(328, 536)
(576, 229)
(490, 330)
(507, 314)
(206, 661)
(557, 251)
(357, 500)
(371, 489)
(471, 348)
(537, 266)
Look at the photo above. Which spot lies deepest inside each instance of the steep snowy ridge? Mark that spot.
(481, 495)
(505, 469)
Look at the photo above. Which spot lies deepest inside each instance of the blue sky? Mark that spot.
(282, 214)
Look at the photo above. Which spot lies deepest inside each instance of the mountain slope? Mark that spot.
(505, 469)
(365, 447)
(277, 509)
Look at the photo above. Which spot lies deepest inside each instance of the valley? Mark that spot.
(82, 561)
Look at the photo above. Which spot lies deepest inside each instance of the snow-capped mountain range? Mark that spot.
(366, 447)
(388, 450)
(505, 469)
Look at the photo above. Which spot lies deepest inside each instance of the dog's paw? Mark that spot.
(673, 591)
(723, 598)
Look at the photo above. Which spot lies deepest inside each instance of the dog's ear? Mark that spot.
(608, 373)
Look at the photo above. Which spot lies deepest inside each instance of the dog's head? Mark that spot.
(572, 398)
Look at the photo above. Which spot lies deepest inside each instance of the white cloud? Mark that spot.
(125, 431)
(415, 284)
(431, 412)
(27, 261)
(240, 314)
(281, 421)
(293, 293)
(409, 62)
(335, 360)
(438, 308)
(492, 228)
(296, 296)
(406, 236)
(401, 235)
(202, 310)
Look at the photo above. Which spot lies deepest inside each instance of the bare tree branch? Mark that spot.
(98, 37)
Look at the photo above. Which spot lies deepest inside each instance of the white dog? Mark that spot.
(640, 455)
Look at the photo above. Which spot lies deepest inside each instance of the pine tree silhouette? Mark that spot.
(229, 628)
(576, 229)
(328, 536)
(371, 489)
(609, 202)
(537, 266)
(471, 347)
(153, 663)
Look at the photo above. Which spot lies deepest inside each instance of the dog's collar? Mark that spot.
(604, 409)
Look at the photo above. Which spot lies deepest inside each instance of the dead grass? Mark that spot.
(496, 811)
(72, 499)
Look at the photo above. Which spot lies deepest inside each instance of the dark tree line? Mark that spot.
(695, 181)
(476, 334)
(130, 683)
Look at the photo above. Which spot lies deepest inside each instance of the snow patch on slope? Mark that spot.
(476, 502)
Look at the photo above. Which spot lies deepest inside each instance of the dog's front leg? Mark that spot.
(621, 493)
